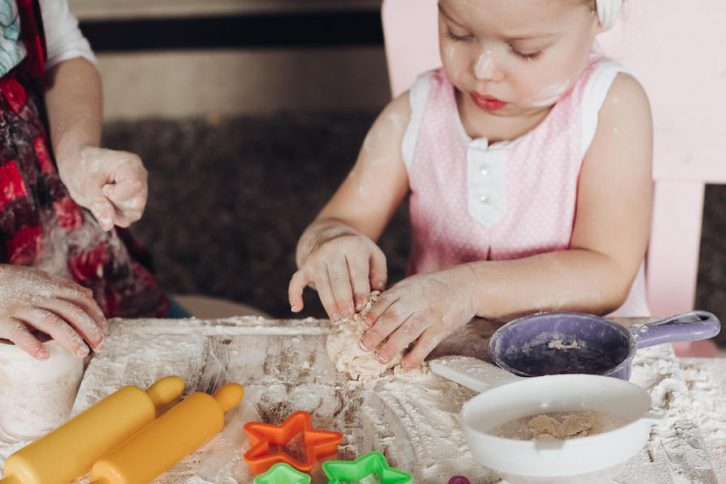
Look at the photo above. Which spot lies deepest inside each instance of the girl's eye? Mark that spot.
(458, 38)
(526, 55)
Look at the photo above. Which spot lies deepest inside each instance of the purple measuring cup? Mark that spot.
(556, 343)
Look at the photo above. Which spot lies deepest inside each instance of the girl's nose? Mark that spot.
(485, 68)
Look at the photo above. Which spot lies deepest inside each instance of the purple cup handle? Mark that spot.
(690, 326)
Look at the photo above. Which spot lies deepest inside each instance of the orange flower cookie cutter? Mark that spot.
(268, 442)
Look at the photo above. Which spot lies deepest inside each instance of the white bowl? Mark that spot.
(588, 459)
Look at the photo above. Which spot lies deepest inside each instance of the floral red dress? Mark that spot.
(40, 225)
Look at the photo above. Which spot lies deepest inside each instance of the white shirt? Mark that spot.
(63, 38)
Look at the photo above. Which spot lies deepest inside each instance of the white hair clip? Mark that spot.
(608, 12)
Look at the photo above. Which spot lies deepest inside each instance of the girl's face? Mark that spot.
(514, 57)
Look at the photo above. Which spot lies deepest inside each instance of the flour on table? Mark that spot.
(344, 349)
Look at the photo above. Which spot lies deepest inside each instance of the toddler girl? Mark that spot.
(527, 159)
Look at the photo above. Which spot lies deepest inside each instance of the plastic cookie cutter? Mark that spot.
(293, 442)
(372, 463)
(282, 474)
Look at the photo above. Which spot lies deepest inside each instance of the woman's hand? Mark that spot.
(425, 308)
(111, 184)
(343, 265)
(31, 299)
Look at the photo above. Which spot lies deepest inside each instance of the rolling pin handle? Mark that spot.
(229, 395)
(166, 390)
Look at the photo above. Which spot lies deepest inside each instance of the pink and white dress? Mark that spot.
(473, 201)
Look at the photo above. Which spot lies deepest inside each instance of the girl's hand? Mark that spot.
(31, 299)
(425, 308)
(111, 184)
(343, 266)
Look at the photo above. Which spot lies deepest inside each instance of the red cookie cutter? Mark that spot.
(317, 444)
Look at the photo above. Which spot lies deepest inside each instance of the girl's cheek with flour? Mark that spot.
(527, 53)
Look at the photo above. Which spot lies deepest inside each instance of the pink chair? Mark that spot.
(677, 52)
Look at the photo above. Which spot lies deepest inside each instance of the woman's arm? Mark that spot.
(111, 184)
(74, 105)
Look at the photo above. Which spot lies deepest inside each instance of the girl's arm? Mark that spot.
(337, 252)
(611, 230)
(111, 184)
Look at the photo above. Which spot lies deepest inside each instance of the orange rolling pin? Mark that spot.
(168, 439)
(69, 451)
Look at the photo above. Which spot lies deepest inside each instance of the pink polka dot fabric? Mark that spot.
(531, 209)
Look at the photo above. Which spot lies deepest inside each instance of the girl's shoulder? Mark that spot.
(605, 83)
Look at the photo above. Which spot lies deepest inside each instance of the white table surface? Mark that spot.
(284, 368)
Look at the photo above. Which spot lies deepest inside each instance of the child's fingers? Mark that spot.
(386, 324)
(385, 300)
(359, 271)
(295, 289)
(429, 340)
(341, 288)
(16, 332)
(378, 269)
(411, 329)
(325, 292)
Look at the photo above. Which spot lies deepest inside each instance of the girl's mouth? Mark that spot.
(487, 103)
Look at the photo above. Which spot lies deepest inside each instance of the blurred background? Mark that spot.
(248, 114)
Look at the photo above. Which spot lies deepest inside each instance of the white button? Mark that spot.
(484, 172)
(484, 199)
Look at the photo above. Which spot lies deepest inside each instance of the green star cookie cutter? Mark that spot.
(372, 463)
(282, 474)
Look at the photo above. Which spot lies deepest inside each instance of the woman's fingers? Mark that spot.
(57, 328)
(83, 298)
(78, 318)
(104, 213)
(128, 200)
(17, 332)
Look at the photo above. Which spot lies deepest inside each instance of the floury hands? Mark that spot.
(111, 184)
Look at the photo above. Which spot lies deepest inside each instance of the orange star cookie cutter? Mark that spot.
(317, 444)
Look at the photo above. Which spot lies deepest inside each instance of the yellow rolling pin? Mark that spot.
(168, 439)
(69, 451)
